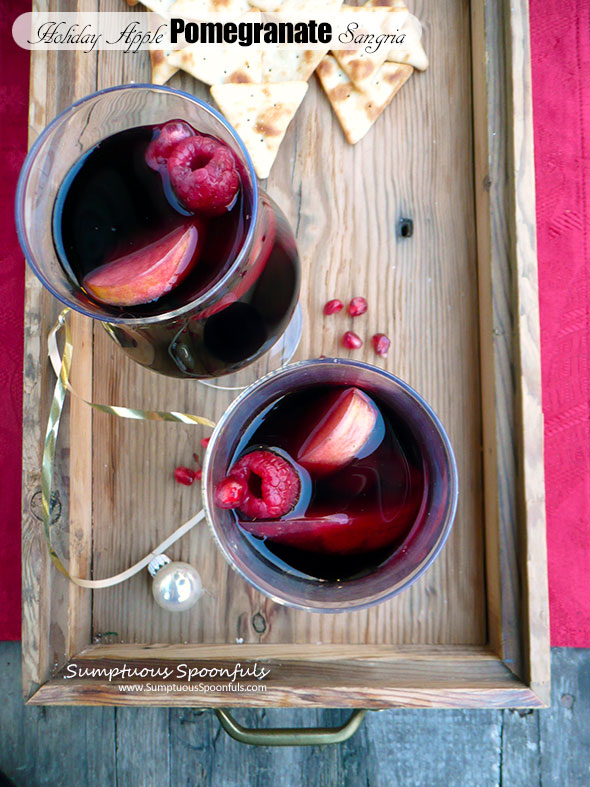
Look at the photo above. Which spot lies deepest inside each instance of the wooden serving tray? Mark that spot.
(454, 152)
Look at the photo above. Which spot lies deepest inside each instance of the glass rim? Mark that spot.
(324, 606)
(23, 179)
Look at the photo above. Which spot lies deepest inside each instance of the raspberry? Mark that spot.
(160, 148)
(230, 492)
(357, 306)
(351, 341)
(272, 483)
(184, 475)
(204, 175)
(333, 306)
(381, 343)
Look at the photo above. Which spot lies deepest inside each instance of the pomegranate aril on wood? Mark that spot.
(333, 306)
(352, 341)
(357, 306)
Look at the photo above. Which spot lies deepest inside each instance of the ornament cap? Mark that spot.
(156, 563)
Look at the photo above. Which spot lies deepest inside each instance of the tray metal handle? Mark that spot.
(290, 736)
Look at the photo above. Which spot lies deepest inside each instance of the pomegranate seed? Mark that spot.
(381, 343)
(357, 306)
(184, 475)
(230, 492)
(333, 306)
(198, 474)
(196, 458)
(351, 341)
(205, 441)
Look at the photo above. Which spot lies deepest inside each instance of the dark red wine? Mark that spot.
(349, 519)
(112, 204)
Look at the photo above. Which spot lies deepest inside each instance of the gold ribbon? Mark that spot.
(62, 366)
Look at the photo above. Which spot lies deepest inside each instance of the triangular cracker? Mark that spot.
(159, 7)
(219, 64)
(308, 7)
(290, 65)
(355, 109)
(193, 9)
(260, 114)
(385, 4)
(411, 52)
(162, 70)
(361, 65)
(267, 5)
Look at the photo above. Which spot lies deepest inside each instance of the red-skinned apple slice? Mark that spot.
(150, 272)
(338, 534)
(342, 431)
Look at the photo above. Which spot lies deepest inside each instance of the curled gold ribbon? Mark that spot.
(62, 366)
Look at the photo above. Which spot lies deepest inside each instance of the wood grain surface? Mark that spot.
(345, 203)
(447, 297)
(168, 747)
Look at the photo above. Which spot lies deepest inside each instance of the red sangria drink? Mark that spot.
(329, 482)
(158, 229)
(337, 488)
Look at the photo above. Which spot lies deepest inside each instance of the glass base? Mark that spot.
(279, 354)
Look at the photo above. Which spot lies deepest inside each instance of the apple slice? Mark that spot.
(148, 273)
(339, 534)
(344, 427)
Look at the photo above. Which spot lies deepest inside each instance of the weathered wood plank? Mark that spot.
(565, 732)
(150, 727)
(426, 291)
(398, 747)
(347, 239)
(531, 472)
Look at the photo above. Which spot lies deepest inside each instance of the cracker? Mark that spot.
(216, 65)
(412, 52)
(162, 70)
(357, 110)
(361, 65)
(260, 114)
(193, 9)
(290, 65)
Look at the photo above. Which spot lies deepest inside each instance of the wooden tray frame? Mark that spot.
(513, 669)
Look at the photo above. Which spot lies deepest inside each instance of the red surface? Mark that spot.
(560, 35)
(14, 76)
(560, 38)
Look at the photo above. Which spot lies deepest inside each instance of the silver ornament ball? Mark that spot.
(176, 586)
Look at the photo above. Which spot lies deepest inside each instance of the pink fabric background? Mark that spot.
(560, 39)
(560, 34)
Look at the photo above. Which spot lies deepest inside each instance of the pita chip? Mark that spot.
(194, 9)
(162, 70)
(301, 8)
(386, 4)
(355, 109)
(260, 114)
(290, 65)
(216, 65)
(361, 65)
(411, 51)
(157, 6)
(265, 5)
